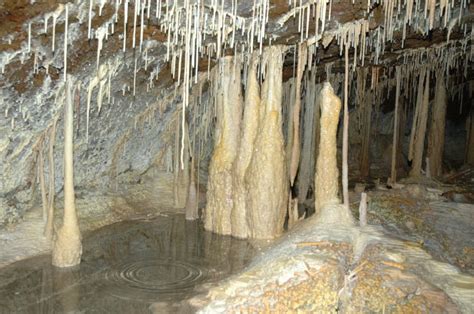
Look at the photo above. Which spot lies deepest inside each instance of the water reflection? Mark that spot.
(125, 268)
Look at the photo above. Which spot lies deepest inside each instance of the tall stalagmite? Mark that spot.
(67, 247)
(249, 132)
(329, 209)
(228, 101)
(326, 184)
(436, 135)
(267, 174)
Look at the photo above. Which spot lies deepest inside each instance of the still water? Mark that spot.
(128, 267)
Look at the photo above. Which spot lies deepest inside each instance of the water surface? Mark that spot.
(125, 268)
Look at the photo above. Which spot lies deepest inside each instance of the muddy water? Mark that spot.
(127, 267)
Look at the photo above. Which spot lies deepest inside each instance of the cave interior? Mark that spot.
(225, 156)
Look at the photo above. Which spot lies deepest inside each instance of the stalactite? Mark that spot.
(246, 147)
(66, 16)
(345, 131)
(437, 127)
(48, 231)
(44, 197)
(267, 180)
(296, 149)
(289, 91)
(67, 247)
(176, 163)
(419, 139)
(228, 100)
(365, 117)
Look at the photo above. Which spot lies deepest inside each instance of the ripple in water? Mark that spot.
(125, 268)
(145, 279)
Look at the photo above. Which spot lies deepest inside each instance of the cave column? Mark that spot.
(267, 179)
(437, 127)
(228, 101)
(420, 121)
(249, 132)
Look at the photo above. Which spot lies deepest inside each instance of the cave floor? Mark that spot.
(416, 255)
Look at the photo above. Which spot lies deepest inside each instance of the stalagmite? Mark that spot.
(326, 184)
(67, 247)
(44, 197)
(363, 210)
(437, 126)
(246, 147)
(267, 174)
(228, 100)
(328, 208)
(419, 139)
(192, 201)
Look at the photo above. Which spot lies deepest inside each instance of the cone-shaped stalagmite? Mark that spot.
(249, 132)
(436, 135)
(267, 175)
(328, 206)
(228, 100)
(67, 247)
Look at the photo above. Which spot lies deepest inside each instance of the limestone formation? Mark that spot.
(326, 184)
(192, 212)
(267, 175)
(417, 144)
(67, 247)
(249, 132)
(228, 101)
(437, 128)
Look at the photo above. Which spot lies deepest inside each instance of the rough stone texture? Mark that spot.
(247, 141)
(437, 128)
(346, 269)
(327, 175)
(67, 247)
(267, 180)
(228, 101)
